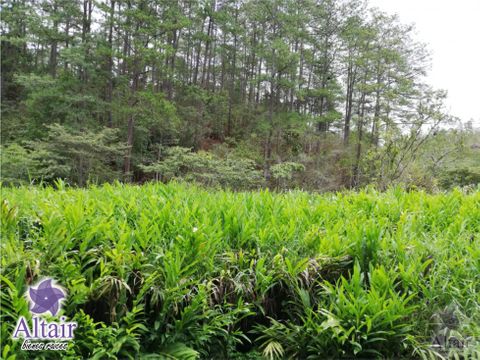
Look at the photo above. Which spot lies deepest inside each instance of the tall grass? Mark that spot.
(177, 271)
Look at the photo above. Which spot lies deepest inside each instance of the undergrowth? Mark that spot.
(178, 272)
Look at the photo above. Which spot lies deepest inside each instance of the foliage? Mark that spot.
(352, 319)
(75, 156)
(205, 168)
(336, 86)
(176, 271)
(284, 172)
(460, 177)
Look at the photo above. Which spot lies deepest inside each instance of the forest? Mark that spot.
(315, 94)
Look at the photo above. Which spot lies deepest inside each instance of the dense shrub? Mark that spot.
(175, 271)
(206, 168)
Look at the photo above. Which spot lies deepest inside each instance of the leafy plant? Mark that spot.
(175, 271)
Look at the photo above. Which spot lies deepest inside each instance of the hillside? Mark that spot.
(322, 95)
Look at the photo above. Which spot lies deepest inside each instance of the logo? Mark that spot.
(45, 301)
(46, 297)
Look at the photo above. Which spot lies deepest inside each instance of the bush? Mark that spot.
(206, 168)
(460, 177)
(176, 271)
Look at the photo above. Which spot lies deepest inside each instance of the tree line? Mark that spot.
(320, 94)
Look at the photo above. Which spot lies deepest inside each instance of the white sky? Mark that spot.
(452, 31)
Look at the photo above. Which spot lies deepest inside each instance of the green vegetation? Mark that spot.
(235, 115)
(97, 91)
(175, 271)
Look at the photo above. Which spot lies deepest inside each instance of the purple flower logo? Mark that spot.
(45, 297)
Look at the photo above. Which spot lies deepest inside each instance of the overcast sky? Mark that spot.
(452, 31)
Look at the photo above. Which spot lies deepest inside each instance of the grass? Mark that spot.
(175, 271)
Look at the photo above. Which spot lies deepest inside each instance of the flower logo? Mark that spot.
(45, 297)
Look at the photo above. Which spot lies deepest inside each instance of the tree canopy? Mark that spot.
(320, 94)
